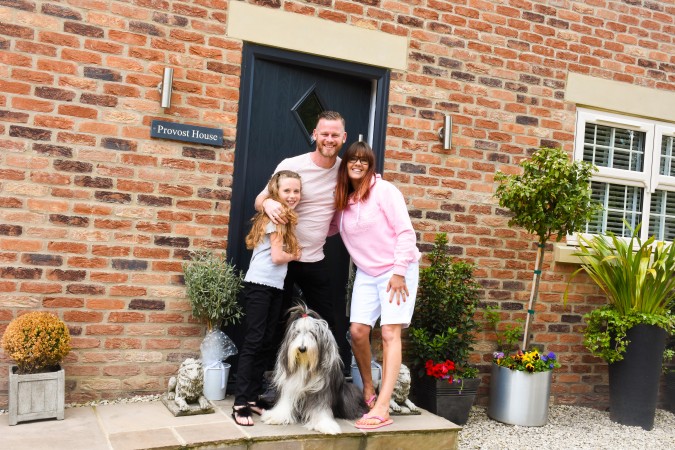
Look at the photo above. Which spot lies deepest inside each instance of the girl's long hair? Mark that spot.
(344, 189)
(260, 219)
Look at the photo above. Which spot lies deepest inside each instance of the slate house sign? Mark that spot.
(188, 133)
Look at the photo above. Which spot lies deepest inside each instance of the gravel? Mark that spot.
(568, 428)
(136, 399)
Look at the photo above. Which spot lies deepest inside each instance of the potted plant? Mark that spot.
(519, 378)
(213, 285)
(551, 198)
(630, 332)
(669, 373)
(37, 342)
(442, 335)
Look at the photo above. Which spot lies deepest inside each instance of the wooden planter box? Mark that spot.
(36, 396)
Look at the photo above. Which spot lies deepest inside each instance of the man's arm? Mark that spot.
(270, 207)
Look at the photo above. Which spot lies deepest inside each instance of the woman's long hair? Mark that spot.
(260, 219)
(344, 189)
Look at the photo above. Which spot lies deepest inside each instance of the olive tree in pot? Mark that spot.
(37, 341)
(550, 198)
(213, 285)
(630, 332)
(442, 334)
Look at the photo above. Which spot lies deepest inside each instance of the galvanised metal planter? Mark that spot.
(518, 397)
(36, 396)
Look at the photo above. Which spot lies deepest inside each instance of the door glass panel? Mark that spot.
(306, 110)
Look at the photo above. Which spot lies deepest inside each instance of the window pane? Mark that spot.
(662, 216)
(614, 147)
(667, 161)
(619, 202)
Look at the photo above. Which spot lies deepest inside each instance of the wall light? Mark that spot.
(445, 132)
(165, 87)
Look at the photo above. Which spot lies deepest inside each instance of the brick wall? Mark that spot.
(96, 218)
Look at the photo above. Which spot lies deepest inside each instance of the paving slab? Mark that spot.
(147, 416)
(78, 431)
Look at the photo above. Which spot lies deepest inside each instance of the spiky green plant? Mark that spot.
(637, 278)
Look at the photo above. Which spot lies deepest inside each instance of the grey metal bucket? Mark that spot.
(519, 398)
(376, 371)
(215, 380)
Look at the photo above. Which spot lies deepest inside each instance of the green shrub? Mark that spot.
(443, 325)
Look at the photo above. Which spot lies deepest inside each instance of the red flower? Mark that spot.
(440, 370)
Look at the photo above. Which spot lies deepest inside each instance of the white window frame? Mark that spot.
(649, 179)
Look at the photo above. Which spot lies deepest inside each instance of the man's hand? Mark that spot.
(397, 289)
(274, 211)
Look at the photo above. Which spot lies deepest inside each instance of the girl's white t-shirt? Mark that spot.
(262, 270)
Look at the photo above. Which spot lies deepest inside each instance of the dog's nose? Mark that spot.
(302, 349)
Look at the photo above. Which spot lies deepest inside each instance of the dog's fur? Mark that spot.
(308, 377)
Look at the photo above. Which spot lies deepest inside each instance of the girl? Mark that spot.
(373, 221)
(273, 247)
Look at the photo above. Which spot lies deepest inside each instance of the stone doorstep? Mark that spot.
(151, 426)
(133, 426)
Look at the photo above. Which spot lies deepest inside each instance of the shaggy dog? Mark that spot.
(308, 378)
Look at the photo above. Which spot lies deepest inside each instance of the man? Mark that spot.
(318, 170)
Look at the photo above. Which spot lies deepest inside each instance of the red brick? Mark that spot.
(122, 343)
(162, 344)
(121, 371)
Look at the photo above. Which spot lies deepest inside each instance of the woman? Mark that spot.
(373, 220)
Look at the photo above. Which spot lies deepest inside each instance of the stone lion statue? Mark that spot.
(188, 387)
(399, 403)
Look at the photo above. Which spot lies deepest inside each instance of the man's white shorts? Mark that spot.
(370, 298)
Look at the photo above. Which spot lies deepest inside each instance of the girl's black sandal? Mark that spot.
(241, 412)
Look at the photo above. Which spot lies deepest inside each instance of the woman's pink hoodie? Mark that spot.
(378, 233)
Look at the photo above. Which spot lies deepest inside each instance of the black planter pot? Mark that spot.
(450, 401)
(670, 391)
(634, 381)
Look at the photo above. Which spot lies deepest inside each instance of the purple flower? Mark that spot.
(544, 358)
(498, 355)
(551, 355)
(551, 365)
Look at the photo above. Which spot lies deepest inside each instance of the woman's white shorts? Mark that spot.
(370, 298)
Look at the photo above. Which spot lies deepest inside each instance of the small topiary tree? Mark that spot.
(552, 197)
(37, 341)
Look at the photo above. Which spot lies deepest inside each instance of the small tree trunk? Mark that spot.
(536, 278)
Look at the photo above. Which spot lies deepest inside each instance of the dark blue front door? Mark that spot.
(279, 89)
